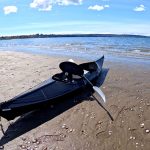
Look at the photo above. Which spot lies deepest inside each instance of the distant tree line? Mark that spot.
(66, 35)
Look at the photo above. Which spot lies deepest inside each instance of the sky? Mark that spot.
(19, 17)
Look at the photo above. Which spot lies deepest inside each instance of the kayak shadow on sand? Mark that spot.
(34, 119)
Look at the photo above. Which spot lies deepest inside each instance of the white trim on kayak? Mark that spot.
(7, 109)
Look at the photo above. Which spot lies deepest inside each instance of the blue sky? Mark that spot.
(19, 17)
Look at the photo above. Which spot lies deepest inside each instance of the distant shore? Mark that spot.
(68, 35)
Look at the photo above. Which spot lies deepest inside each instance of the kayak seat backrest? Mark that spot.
(71, 68)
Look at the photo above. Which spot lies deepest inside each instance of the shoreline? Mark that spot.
(86, 125)
(126, 59)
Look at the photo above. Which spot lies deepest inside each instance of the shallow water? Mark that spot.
(83, 47)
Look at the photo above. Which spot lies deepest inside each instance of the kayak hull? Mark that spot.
(47, 93)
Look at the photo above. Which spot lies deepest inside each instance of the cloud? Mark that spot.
(139, 8)
(42, 5)
(98, 7)
(46, 5)
(10, 9)
(69, 2)
(106, 6)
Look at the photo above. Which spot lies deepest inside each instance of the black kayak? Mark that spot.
(53, 90)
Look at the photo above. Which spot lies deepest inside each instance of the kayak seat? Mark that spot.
(65, 77)
(70, 72)
(71, 68)
(59, 77)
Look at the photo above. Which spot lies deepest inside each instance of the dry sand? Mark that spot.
(86, 126)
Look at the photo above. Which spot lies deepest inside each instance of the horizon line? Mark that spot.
(71, 34)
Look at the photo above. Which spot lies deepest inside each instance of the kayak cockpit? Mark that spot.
(71, 71)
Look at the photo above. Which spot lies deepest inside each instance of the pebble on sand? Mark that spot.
(34, 140)
(70, 130)
(148, 104)
(147, 131)
(23, 146)
(64, 126)
(109, 132)
(132, 137)
(1, 147)
(24, 139)
(142, 125)
(136, 143)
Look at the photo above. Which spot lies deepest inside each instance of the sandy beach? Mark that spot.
(86, 126)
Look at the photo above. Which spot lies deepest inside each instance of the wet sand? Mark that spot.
(86, 125)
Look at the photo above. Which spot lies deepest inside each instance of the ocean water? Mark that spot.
(83, 47)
